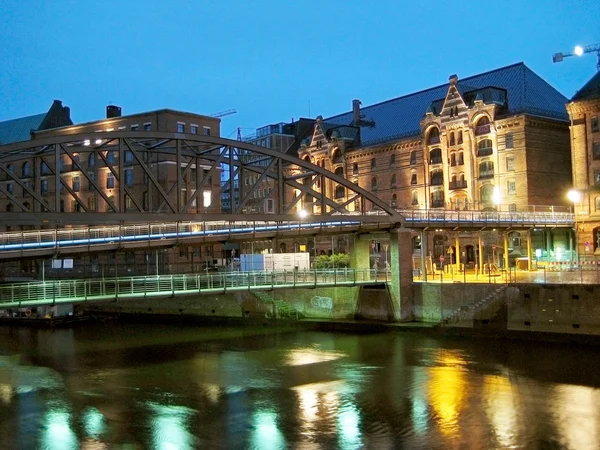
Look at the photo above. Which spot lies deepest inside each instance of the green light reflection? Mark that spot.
(57, 433)
(348, 422)
(169, 426)
(93, 422)
(266, 434)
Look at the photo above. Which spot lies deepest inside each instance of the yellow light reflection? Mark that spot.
(299, 357)
(318, 404)
(501, 409)
(6, 393)
(446, 392)
(575, 410)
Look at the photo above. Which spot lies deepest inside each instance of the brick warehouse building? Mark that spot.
(497, 140)
(80, 175)
(584, 112)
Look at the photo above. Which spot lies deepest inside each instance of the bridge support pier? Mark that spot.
(401, 267)
(360, 253)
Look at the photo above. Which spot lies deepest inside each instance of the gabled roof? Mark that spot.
(590, 90)
(400, 117)
(17, 130)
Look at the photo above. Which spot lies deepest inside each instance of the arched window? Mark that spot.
(339, 171)
(75, 162)
(26, 206)
(110, 180)
(110, 157)
(26, 169)
(394, 201)
(413, 158)
(111, 199)
(433, 137)
(486, 193)
(373, 165)
(451, 139)
(306, 158)
(483, 126)
(91, 203)
(462, 178)
(10, 168)
(436, 178)
(453, 179)
(337, 156)
(435, 156)
(44, 169)
(486, 169)
(413, 178)
(340, 191)
(597, 203)
(145, 202)
(484, 147)
(393, 181)
(414, 198)
(453, 159)
(92, 160)
(437, 199)
(355, 168)
(393, 160)
(374, 183)
(461, 159)
(459, 139)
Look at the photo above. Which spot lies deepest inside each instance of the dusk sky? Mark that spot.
(273, 60)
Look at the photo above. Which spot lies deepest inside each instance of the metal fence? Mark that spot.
(72, 291)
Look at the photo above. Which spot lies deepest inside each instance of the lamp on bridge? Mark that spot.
(575, 197)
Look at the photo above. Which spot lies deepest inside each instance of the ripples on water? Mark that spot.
(173, 387)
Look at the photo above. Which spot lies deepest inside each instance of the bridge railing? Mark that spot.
(549, 216)
(65, 291)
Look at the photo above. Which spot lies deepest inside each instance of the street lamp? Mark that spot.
(575, 198)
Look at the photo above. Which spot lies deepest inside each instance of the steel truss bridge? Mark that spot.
(44, 293)
(144, 207)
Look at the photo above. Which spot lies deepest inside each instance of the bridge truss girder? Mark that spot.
(113, 177)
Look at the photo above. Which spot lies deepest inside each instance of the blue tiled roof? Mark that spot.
(17, 130)
(400, 117)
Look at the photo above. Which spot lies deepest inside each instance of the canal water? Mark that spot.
(141, 386)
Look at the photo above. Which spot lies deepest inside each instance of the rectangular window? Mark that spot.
(595, 126)
(128, 156)
(509, 141)
(128, 177)
(194, 129)
(511, 187)
(147, 127)
(110, 181)
(206, 131)
(44, 186)
(596, 150)
(76, 184)
(180, 127)
(510, 163)
(135, 127)
(10, 187)
(597, 177)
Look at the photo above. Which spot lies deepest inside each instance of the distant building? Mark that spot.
(21, 129)
(584, 112)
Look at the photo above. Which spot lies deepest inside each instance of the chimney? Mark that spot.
(113, 111)
(355, 112)
(453, 79)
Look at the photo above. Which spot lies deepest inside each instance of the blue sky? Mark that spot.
(272, 60)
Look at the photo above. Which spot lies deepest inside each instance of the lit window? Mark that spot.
(510, 163)
(206, 199)
(511, 187)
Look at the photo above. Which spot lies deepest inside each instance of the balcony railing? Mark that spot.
(482, 129)
(435, 160)
(486, 174)
(485, 151)
(437, 181)
(461, 184)
(437, 203)
(433, 140)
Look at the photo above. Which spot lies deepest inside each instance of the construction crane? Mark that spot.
(228, 112)
(578, 51)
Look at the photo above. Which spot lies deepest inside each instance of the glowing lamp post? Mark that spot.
(575, 198)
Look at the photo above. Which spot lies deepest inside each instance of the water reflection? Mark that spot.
(254, 388)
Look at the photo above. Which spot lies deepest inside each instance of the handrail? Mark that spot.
(73, 291)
